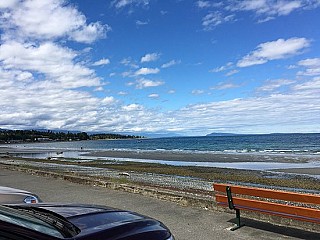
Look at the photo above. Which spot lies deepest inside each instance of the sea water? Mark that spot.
(293, 145)
(269, 143)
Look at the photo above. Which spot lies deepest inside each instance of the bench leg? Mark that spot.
(238, 221)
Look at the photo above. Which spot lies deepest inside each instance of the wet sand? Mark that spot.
(307, 171)
(205, 157)
(194, 157)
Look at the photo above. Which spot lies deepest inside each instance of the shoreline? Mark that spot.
(205, 157)
(287, 163)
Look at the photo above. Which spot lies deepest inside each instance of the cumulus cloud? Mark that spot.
(150, 57)
(312, 66)
(108, 100)
(147, 71)
(47, 19)
(52, 60)
(103, 61)
(132, 107)
(295, 110)
(278, 49)
(43, 83)
(8, 3)
(146, 83)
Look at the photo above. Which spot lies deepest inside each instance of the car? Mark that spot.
(46, 221)
(13, 195)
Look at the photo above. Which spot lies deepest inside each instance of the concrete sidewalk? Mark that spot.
(186, 223)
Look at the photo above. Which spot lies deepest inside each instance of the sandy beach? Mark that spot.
(289, 163)
(205, 157)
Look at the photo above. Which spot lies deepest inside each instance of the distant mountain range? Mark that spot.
(222, 134)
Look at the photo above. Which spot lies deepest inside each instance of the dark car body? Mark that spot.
(70, 221)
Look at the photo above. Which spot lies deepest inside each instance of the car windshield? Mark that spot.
(39, 220)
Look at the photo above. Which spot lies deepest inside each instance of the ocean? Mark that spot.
(271, 143)
(253, 152)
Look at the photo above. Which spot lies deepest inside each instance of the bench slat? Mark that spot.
(272, 194)
(293, 212)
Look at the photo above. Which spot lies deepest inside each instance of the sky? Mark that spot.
(185, 67)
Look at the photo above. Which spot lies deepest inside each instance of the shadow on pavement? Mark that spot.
(276, 229)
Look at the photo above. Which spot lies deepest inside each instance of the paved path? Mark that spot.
(186, 223)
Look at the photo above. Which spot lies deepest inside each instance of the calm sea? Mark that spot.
(272, 143)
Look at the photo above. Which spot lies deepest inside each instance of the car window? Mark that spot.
(29, 222)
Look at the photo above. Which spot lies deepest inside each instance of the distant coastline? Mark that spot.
(29, 136)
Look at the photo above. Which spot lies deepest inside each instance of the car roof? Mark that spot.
(9, 190)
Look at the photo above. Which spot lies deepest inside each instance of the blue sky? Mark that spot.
(148, 66)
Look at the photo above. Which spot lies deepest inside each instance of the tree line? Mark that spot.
(38, 136)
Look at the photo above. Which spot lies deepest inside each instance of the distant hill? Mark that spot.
(221, 134)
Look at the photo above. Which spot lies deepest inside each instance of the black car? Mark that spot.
(70, 221)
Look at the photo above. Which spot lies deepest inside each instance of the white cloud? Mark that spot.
(311, 88)
(222, 68)
(150, 57)
(124, 3)
(267, 7)
(214, 19)
(24, 76)
(295, 111)
(103, 61)
(272, 85)
(224, 86)
(154, 95)
(8, 3)
(197, 92)
(263, 10)
(203, 4)
(312, 66)
(43, 83)
(108, 100)
(170, 63)
(141, 23)
(55, 62)
(146, 83)
(129, 62)
(278, 49)
(208, 4)
(122, 93)
(232, 72)
(147, 71)
(132, 107)
(89, 33)
(49, 19)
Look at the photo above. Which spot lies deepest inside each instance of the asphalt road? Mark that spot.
(186, 223)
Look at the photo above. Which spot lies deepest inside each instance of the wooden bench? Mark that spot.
(298, 206)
